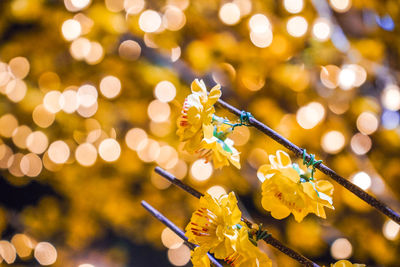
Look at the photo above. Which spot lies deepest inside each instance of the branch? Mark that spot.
(269, 239)
(175, 229)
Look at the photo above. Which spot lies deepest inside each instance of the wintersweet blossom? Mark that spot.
(219, 150)
(202, 131)
(200, 258)
(246, 254)
(216, 227)
(345, 263)
(213, 224)
(198, 110)
(283, 192)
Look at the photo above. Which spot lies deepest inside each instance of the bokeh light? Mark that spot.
(201, 170)
(8, 123)
(165, 91)
(80, 4)
(19, 67)
(367, 123)
(297, 26)
(135, 137)
(360, 144)
(51, 101)
(133, 6)
(7, 251)
(86, 154)
(69, 101)
(179, 256)
(23, 244)
(59, 152)
(321, 29)
(148, 150)
(173, 19)
(129, 50)
(310, 115)
(42, 117)
(229, 13)
(149, 21)
(87, 95)
(170, 239)
(259, 23)
(71, 29)
(341, 248)
(391, 97)
(362, 179)
(340, 5)
(109, 150)
(80, 48)
(329, 76)
(20, 134)
(293, 6)
(391, 230)
(347, 78)
(110, 86)
(216, 191)
(332, 142)
(31, 165)
(158, 111)
(16, 90)
(261, 39)
(45, 253)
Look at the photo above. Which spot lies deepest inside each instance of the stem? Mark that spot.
(377, 204)
(159, 216)
(269, 239)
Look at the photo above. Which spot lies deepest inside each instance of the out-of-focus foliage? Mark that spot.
(90, 94)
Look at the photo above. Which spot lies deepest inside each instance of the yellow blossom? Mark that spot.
(283, 192)
(213, 224)
(246, 254)
(197, 110)
(219, 150)
(345, 263)
(200, 258)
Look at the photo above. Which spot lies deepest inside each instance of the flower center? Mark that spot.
(232, 259)
(207, 224)
(184, 121)
(291, 203)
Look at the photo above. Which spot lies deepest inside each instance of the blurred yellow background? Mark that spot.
(90, 94)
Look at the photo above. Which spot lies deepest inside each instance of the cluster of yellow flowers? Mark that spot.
(284, 192)
(283, 189)
(201, 132)
(216, 227)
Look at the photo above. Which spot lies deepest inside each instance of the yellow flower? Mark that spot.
(283, 192)
(246, 254)
(345, 263)
(200, 258)
(213, 225)
(197, 110)
(219, 150)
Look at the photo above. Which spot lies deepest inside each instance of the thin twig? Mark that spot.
(159, 216)
(377, 204)
(269, 239)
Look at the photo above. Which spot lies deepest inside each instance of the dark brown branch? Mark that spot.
(269, 239)
(159, 216)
